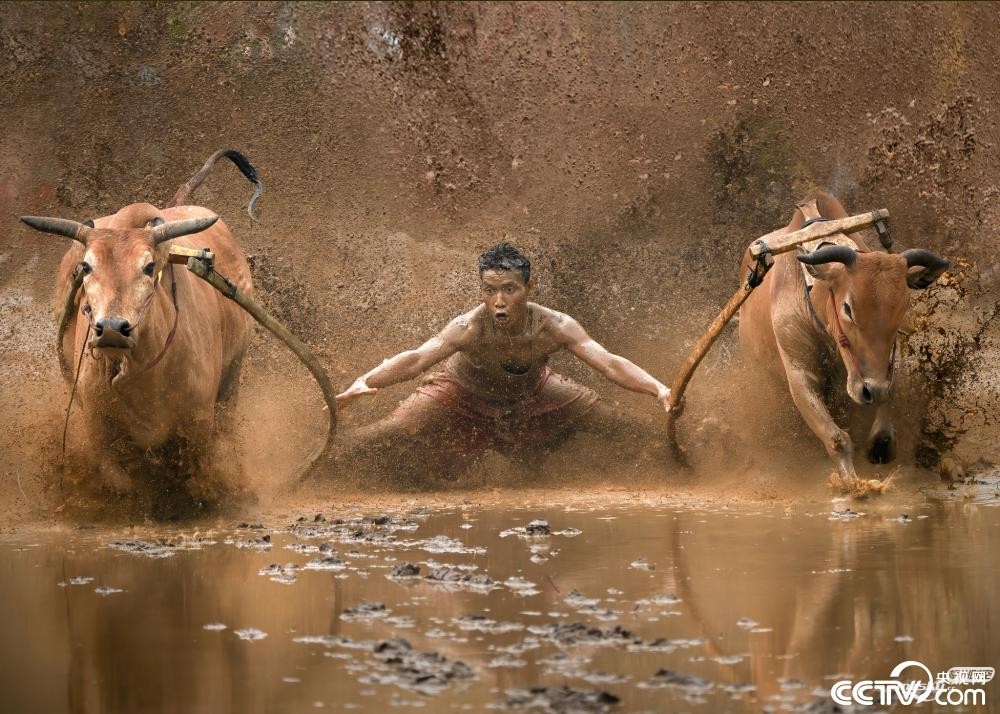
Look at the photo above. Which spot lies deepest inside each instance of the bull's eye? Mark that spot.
(86, 268)
(847, 311)
(148, 268)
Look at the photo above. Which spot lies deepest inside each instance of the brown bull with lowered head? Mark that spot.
(153, 347)
(849, 316)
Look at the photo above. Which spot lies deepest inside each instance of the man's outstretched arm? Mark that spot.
(407, 365)
(618, 369)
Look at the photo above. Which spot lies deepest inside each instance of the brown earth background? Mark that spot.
(631, 149)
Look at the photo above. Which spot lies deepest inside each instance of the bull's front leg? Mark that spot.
(882, 438)
(805, 389)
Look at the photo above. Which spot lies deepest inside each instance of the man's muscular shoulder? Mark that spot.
(558, 325)
(464, 329)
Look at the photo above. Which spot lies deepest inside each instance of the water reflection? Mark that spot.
(709, 609)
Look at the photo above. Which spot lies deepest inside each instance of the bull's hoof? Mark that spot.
(882, 449)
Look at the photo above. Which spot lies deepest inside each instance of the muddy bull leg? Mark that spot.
(804, 387)
(882, 438)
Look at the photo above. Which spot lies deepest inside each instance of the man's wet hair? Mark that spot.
(504, 256)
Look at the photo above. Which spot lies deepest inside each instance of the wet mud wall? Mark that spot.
(631, 149)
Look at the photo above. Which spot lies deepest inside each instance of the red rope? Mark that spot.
(173, 330)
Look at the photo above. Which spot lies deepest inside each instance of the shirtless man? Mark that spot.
(496, 390)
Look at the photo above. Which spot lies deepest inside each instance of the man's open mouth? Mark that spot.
(500, 317)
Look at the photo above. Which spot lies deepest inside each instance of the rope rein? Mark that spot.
(72, 395)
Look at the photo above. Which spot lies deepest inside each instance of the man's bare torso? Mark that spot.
(506, 365)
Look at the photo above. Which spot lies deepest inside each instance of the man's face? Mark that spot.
(506, 296)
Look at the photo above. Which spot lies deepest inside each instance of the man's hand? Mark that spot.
(663, 397)
(359, 388)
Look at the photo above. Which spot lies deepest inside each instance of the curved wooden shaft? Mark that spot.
(694, 358)
(305, 355)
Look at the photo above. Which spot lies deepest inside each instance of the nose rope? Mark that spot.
(72, 395)
(142, 314)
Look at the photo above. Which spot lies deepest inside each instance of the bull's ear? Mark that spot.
(826, 262)
(923, 267)
(824, 271)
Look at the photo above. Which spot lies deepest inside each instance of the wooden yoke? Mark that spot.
(780, 242)
(761, 251)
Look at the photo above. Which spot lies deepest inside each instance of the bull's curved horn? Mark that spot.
(176, 229)
(830, 254)
(919, 256)
(933, 265)
(59, 227)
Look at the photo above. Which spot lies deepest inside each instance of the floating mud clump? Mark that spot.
(305, 548)
(453, 578)
(444, 544)
(577, 633)
(262, 543)
(399, 664)
(562, 700)
(404, 572)
(369, 529)
(539, 528)
(365, 611)
(578, 600)
(144, 548)
(425, 672)
(688, 682)
(284, 574)
(328, 562)
(481, 623)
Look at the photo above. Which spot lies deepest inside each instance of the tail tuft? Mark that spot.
(184, 193)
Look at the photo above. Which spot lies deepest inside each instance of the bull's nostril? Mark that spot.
(98, 329)
(866, 394)
(125, 330)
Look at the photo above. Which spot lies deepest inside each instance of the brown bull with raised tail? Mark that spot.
(844, 309)
(153, 348)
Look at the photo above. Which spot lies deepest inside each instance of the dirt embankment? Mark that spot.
(631, 150)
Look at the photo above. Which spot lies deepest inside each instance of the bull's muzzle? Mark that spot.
(875, 391)
(113, 332)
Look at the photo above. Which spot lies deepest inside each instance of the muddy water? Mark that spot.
(626, 608)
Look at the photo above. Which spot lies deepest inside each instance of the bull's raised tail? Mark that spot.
(187, 189)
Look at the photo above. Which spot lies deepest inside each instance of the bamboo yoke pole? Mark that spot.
(762, 250)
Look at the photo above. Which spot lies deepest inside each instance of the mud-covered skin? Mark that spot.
(496, 391)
